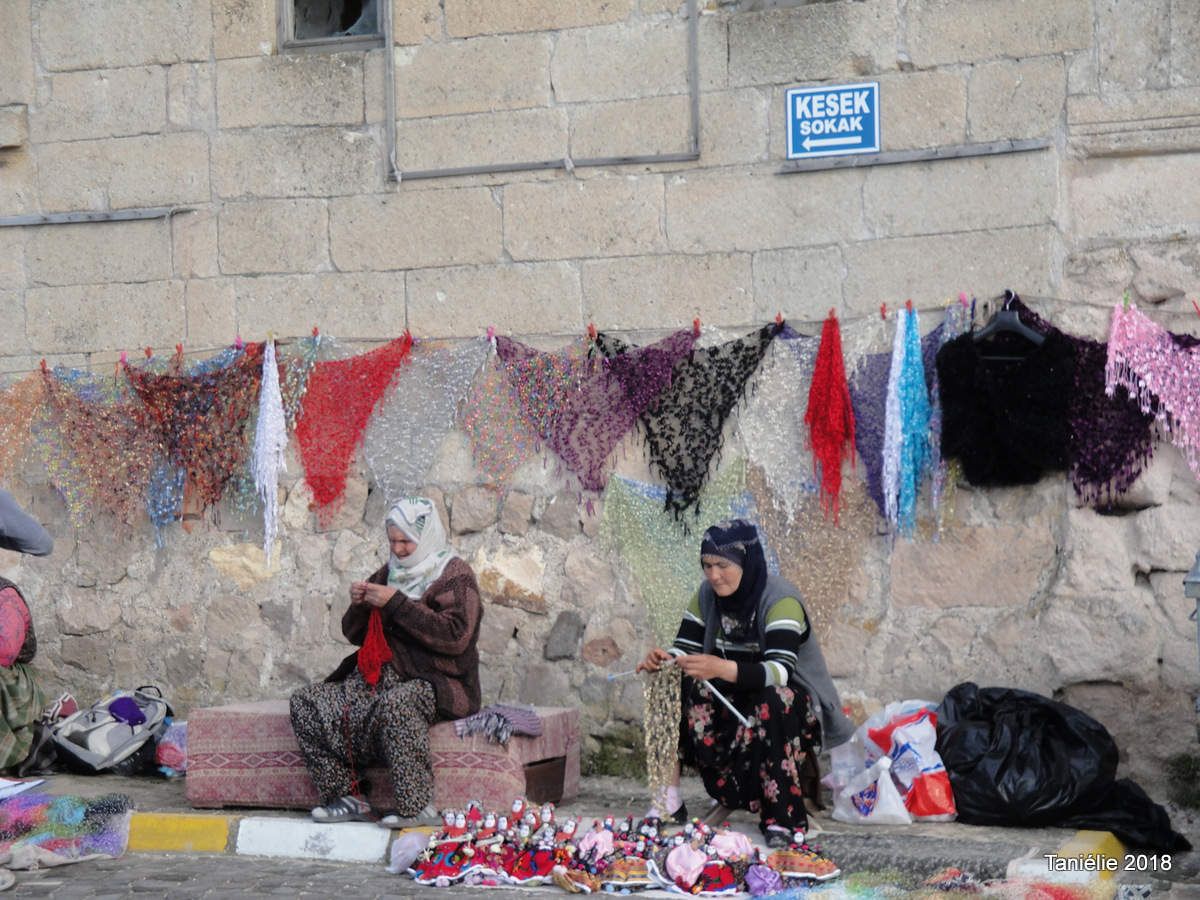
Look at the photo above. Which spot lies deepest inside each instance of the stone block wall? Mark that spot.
(285, 218)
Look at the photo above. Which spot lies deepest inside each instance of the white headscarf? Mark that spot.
(418, 519)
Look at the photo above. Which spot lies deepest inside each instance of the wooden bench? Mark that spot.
(247, 755)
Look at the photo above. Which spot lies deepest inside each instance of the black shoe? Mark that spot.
(679, 817)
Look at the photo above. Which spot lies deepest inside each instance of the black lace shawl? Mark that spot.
(684, 426)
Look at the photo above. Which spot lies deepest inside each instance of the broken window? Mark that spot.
(338, 24)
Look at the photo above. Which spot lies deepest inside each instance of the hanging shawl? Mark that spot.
(581, 407)
(201, 418)
(868, 394)
(684, 426)
(500, 441)
(830, 416)
(782, 451)
(1008, 422)
(417, 412)
(270, 441)
(954, 322)
(893, 425)
(340, 398)
(19, 404)
(914, 416)
(657, 551)
(1162, 372)
(95, 453)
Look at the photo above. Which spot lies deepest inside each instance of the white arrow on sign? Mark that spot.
(809, 143)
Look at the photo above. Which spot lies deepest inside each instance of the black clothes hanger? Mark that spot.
(1006, 321)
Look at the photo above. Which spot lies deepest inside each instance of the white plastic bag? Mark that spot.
(906, 732)
(871, 798)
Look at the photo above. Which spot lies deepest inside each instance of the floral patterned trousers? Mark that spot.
(761, 767)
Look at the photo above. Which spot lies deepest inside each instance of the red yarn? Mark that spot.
(340, 399)
(375, 652)
(830, 417)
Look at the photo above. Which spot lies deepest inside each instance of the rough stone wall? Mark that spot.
(278, 160)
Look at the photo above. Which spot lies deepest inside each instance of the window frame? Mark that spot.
(285, 27)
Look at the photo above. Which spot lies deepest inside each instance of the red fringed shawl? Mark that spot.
(340, 399)
(201, 418)
(830, 416)
(375, 652)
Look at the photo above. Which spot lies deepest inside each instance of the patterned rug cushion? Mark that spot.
(246, 755)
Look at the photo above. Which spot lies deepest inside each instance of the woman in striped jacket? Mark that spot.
(746, 634)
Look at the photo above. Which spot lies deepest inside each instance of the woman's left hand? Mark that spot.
(378, 594)
(705, 666)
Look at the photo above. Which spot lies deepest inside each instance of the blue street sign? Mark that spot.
(833, 120)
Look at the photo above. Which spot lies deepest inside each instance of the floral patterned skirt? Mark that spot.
(763, 767)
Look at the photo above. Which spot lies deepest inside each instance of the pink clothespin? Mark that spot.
(591, 331)
(124, 358)
(696, 327)
(962, 298)
(779, 318)
(1196, 307)
(238, 344)
(491, 334)
(316, 331)
(883, 311)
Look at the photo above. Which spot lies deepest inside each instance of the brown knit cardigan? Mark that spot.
(433, 638)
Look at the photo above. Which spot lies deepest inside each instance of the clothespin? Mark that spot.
(591, 331)
(238, 343)
(962, 298)
(316, 331)
(883, 311)
(1196, 307)
(779, 318)
(149, 353)
(908, 305)
(44, 369)
(832, 313)
(696, 327)
(1126, 301)
(124, 358)
(491, 334)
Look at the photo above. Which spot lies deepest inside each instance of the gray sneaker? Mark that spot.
(427, 816)
(343, 809)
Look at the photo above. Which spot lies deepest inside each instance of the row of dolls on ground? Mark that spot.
(530, 846)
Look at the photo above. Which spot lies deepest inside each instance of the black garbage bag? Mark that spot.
(1018, 758)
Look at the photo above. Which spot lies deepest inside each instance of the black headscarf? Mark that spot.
(737, 541)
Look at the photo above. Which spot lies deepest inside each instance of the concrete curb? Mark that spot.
(269, 836)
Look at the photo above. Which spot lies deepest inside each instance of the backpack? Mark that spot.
(114, 733)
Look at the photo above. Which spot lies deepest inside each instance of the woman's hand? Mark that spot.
(653, 661)
(358, 591)
(376, 595)
(704, 666)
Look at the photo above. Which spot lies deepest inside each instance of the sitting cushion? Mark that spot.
(14, 625)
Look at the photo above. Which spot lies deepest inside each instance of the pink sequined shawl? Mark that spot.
(1163, 376)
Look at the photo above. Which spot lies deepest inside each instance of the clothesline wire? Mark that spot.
(285, 341)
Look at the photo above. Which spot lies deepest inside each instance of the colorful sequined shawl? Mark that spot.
(684, 426)
(200, 417)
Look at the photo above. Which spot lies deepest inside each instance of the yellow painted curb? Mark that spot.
(180, 832)
(1095, 845)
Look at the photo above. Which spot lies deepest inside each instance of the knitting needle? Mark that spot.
(708, 684)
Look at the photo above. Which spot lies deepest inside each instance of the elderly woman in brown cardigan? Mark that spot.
(416, 622)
